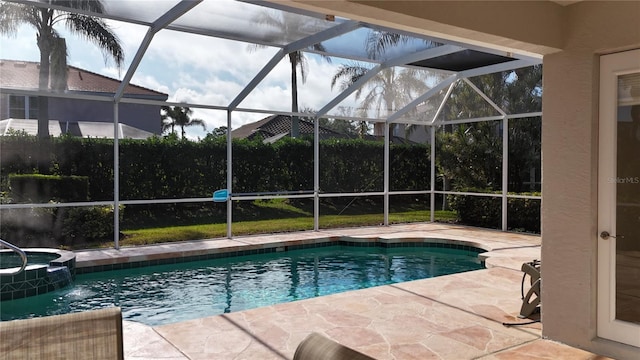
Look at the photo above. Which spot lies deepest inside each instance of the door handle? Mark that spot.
(605, 235)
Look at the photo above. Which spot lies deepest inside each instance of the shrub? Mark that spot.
(524, 214)
(485, 211)
(88, 224)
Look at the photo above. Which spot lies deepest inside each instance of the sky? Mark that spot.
(204, 70)
(195, 69)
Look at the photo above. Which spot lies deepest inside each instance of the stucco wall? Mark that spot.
(569, 208)
(145, 117)
(4, 106)
(141, 116)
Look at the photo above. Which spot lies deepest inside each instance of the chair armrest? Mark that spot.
(318, 347)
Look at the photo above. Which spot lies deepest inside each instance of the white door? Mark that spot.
(619, 198)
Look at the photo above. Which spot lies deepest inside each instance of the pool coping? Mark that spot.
(423, 234)
(164, 258)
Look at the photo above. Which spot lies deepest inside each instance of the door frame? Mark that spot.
(611, 67)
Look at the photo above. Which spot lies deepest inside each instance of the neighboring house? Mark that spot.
(75, 128)
(275, 127)
(72, 114)
(415, 133)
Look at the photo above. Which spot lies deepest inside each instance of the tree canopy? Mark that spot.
(173, 116)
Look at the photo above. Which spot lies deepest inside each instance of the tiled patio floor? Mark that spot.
(458, 316)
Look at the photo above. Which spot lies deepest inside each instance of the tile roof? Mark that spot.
(24, 75)
(273, 126)
(280, 124)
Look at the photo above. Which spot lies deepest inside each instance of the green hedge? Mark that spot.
(165, 168)
(172, 168)
(43, 188)
(486, 211)
(524, 214)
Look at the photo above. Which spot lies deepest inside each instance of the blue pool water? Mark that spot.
(164, 294)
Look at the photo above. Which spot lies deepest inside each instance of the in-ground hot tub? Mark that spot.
(46, 270)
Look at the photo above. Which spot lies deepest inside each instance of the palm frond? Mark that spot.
(255, 47)
(97, 31)
(320, 48)
(347, 75)
(286, 27)
(197, 122)
(303, 66)
(87, 5)
(270, 18)
(11, 17)
(379, 41)
(178, 115)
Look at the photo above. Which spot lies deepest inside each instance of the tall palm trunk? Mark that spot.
(295, 121)
(378, 128)
(45, 40)
(58, 65)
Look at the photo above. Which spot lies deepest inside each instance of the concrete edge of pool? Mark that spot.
(440, 235)
(127, 262)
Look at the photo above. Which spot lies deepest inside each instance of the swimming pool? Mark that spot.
(164, 294)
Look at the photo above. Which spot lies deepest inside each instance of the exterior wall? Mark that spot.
(4, 106)
(145, 117)
(418, 134)
(569, 205)
(571, 39)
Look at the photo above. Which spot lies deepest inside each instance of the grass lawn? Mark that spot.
(297, 220)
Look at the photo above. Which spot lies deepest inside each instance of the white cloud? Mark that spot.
(195, 69)
(316, 92)
(21, 46)
(150, 82)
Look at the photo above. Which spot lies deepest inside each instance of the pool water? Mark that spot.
(10, 259)
(164, 294)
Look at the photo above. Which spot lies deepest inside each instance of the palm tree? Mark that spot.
(287, 24)
(52, 46)
(388, 91)
(179, 116)
(379, 41)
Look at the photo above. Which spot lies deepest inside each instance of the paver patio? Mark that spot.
(457, 316)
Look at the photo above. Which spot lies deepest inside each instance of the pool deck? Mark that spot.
(457, 316)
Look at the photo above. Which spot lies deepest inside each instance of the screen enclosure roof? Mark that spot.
(286, 30)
